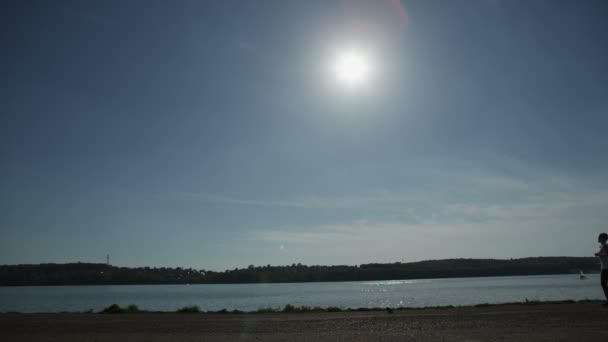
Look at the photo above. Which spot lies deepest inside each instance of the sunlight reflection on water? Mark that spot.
(250, 297)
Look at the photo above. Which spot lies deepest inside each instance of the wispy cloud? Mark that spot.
(458, 189)
(370, 201)
(567, 208)
(570, 220)
(479, 212)
(473, 195)
(550, 205)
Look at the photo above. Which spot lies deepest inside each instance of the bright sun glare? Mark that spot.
(352, 67)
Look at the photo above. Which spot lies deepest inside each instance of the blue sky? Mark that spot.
(212, 134)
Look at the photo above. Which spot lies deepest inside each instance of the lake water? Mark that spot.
(250, 297)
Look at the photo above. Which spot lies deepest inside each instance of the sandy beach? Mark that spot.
(544, 322)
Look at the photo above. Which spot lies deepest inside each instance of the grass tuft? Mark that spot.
(115, 309)
(189, 309)
(132, 308)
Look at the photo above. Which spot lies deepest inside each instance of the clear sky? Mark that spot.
(216, 134)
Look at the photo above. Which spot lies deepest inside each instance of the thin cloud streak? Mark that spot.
(537, 184)
(565, 208)
(459, 231)
(310, 202)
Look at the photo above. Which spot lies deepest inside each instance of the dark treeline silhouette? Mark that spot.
(102, 274)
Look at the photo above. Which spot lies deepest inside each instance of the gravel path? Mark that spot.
(545, 322)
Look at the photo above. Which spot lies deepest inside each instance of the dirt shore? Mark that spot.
(543, 322)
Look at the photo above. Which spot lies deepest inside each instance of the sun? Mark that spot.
(351, 67)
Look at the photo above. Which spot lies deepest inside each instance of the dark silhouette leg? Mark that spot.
(604, 282)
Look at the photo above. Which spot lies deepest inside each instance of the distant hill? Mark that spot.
(102, 274)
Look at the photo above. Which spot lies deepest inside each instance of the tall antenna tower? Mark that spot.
(108, 259)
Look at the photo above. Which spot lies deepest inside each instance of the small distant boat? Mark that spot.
(581, 275)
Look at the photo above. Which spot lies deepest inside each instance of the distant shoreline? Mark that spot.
(103, 274)
(307, 282)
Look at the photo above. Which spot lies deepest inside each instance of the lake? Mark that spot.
(250, 297)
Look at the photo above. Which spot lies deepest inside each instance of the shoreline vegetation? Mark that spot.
(103, 274)
(195, 309)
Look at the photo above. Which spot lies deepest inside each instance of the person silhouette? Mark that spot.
(581, 275)
(603, 255)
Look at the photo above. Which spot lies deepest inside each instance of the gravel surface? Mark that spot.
(544, 322)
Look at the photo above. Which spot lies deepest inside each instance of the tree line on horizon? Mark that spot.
(103, 274)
